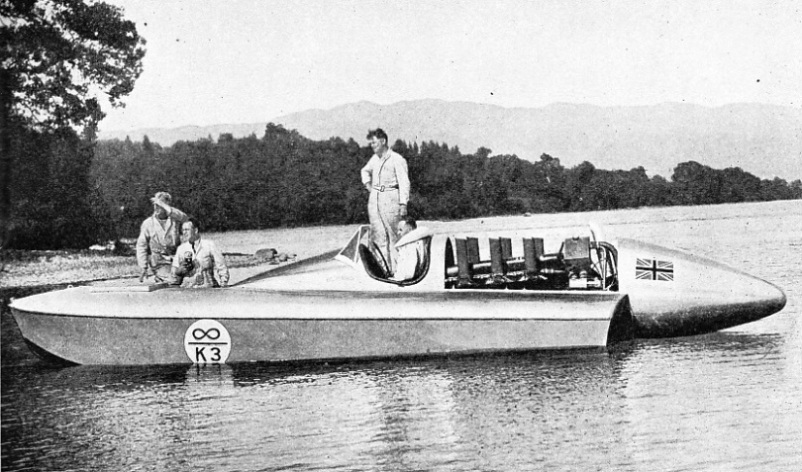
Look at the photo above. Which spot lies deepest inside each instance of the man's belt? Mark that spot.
(385, 188)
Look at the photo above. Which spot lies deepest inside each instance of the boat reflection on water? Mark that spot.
(426, 414)
(504, 412)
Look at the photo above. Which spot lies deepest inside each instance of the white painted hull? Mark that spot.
(275, 327)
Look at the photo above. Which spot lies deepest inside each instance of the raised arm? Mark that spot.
(172, 212)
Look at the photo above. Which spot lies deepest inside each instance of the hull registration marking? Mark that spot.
(207, 342)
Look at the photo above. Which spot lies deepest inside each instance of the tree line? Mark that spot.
(59, 189)
(71, 191)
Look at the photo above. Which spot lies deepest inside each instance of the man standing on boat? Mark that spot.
(159, 236)
(198, 259)
(386, 177)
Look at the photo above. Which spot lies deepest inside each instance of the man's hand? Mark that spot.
(402, 210)
(368, 187)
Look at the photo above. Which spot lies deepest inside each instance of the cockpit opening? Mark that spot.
(375, 265)
(363, 254)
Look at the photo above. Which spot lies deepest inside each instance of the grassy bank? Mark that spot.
(34, 268)
(38, 268)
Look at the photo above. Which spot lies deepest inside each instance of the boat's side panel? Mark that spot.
(161, 341)
(299, 330)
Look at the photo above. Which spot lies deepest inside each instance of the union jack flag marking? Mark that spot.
(652, 269)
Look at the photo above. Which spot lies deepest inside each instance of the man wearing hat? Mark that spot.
(158, 238)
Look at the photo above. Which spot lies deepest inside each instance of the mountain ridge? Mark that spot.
(765, 140)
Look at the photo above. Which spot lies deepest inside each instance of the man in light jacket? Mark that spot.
(386, 177)
(159, 236)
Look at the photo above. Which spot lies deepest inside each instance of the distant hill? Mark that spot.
(765, 140)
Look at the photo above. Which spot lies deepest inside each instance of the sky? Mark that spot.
(248, 61)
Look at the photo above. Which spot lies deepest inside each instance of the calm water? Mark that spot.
(721, 402)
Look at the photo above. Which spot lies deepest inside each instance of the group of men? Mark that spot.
(171, 248)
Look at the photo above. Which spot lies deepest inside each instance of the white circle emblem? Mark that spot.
(207, 342)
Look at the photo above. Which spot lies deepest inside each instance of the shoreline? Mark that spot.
(29, 268)
(33, 268)
(23, 268)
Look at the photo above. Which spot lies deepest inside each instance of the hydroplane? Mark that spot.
(473, 293)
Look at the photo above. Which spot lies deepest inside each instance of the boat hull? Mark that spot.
(302, 329)
(691, 316)
(699, 295)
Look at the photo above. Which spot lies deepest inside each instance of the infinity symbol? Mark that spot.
(212, 333)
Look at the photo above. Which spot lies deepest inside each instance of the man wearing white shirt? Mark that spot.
(198, 259)
(411, 248)
(386, 177)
